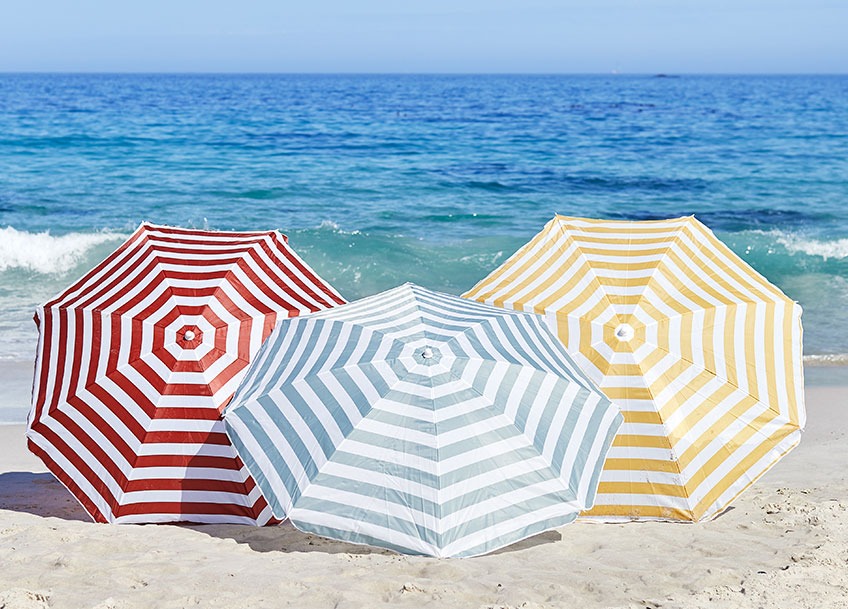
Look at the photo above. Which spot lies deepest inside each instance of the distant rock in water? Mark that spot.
(665, 76)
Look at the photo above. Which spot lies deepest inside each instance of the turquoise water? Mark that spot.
(434, 179)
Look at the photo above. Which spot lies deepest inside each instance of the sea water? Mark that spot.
(383, 179)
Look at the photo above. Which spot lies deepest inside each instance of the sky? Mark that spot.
(445, 36)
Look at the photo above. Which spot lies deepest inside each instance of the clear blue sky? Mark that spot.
(748, 36)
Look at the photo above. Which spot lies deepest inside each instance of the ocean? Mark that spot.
(381, 179)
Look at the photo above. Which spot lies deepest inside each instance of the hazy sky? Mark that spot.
(416, 36)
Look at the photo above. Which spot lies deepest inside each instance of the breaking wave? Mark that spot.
(796, 244)
(48, 254)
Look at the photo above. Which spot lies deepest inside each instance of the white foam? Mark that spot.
(828, 359)
(334, 227)
(46, 253)
(795, 244)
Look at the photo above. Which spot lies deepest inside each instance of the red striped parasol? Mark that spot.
(136, 360)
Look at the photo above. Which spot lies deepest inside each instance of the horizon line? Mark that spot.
(394, 73)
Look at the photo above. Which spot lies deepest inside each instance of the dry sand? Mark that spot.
(784, 544)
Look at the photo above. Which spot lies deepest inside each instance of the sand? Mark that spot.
(783, 544)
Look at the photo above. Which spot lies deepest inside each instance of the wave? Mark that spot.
(795, 244)
(360, 261)
(48, 254)
(779, 254)
(826, 360)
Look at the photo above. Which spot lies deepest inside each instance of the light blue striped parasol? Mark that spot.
(421, 422)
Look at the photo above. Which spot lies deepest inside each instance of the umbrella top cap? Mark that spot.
(427, 355)
(189, 335)
(624, 332)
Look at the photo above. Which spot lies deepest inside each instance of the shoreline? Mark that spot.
(784, 542)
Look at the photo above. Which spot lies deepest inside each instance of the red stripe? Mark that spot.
(227, 463)
(187, 508)
(186, 437)
(249, 236)
(186, 413)
(187, 484)
(59, 374)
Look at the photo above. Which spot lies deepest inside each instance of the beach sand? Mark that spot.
(783, 544)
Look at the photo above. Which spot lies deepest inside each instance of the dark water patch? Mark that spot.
(461, 217)
(648, 184)
(501, 116)
(524, 178)
(261, 194)
(567, 183)
(487, 185)
(762, 218)
(78, 140)
(734, 220)
(477, 167)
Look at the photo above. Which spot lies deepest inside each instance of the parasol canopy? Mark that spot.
(136, 360)
(421, 422)
(701, 352)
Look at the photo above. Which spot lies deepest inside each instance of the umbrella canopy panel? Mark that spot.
(701, 352)
(421, 422)
(136, 360)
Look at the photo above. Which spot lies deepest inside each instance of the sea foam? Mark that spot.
(46, 253)
(796, 244)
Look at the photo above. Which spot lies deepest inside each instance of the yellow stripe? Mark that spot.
(634, 238)
(628, 393)
(642, 416)
(729, 349)
(641, 488)
(620, 227)
(624, 282)
(623, 254)
(707, 346)
(646, 465)
(640, 441)
(639, 511)
(789, 362)
(750, 355)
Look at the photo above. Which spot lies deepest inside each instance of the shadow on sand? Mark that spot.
(39, 494)
(286, 538)
(42, 495)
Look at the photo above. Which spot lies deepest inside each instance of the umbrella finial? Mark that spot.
(624, 332)
(189, 335)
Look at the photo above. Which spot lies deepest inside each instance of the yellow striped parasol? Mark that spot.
(702, 354)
